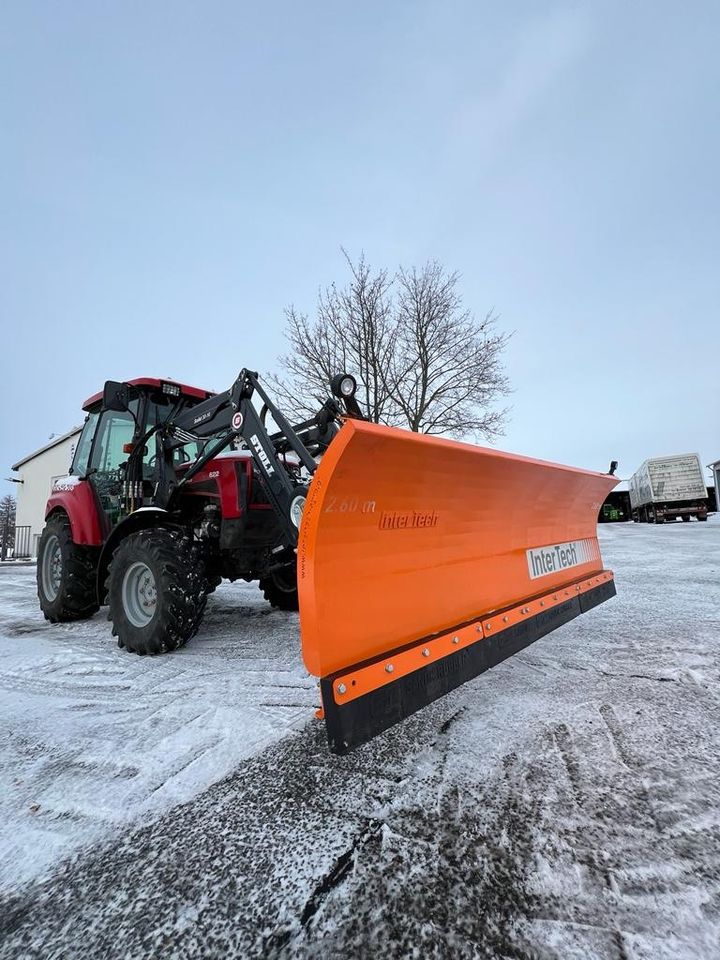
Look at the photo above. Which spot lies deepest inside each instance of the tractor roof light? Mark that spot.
(171, 389)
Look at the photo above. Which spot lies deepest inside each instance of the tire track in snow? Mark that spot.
(180, 722)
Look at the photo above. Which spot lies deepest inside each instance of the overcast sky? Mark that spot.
(175, 174)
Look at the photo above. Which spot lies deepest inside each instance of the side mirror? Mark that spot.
(116, 396)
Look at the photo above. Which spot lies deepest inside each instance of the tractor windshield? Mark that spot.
(158, 410)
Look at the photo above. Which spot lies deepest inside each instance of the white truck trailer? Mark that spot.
(665, 488)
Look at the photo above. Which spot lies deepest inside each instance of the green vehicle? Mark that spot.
(611, 513)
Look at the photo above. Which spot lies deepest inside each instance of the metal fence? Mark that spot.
(23, 543)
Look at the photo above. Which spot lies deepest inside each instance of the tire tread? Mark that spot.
(78, 598)
(182, 585)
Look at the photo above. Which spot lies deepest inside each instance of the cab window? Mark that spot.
(82, 452)
(115, 429)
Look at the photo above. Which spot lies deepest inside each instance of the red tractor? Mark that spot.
(172, 489)
(420, 562)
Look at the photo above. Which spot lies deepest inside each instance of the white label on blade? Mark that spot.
(542, 561)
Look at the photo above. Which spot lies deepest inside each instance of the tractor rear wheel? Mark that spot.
(280, 588)
(156, 591)
(65, 574)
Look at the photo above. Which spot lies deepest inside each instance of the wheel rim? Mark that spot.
(139, 594)
(51, 567)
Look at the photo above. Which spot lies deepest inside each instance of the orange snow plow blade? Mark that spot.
(422, 562)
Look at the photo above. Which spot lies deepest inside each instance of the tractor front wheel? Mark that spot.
(280, 588)
(65, 574)
(156, 591)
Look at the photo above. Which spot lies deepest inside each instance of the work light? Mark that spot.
(343, 385)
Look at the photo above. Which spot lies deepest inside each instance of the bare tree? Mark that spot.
(447, 367)
(421, 359)
(7, 525)
(354, 331)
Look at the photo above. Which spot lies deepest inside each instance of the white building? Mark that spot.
(38, 472)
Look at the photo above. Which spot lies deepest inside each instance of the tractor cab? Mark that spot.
(118, 419)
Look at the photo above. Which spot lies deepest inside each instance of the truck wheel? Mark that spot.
(156, 591)
(702, 516)
(65, 574)
(280, 588)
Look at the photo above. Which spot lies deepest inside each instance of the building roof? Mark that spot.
(48, 446)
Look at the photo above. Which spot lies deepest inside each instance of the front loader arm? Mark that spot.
(230, 416)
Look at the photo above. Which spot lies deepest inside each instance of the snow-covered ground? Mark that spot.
(94, 738)
(564, 805)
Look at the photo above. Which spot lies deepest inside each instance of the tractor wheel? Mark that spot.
(280, 588)
(65, 574)
(212, 583)
(156, 591)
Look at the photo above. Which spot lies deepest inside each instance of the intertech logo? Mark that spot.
(543, 561)
(408, 520)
